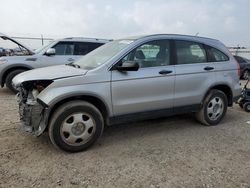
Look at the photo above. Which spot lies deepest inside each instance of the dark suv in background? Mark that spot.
(244, 67)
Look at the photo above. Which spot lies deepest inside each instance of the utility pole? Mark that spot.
(42, 39)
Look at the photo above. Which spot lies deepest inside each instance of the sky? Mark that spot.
(226, 20)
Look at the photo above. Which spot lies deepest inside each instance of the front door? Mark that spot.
(151, 87)
(64, 54)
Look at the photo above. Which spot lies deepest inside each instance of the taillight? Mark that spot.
(238, 67)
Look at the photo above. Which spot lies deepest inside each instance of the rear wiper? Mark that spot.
(73, 65)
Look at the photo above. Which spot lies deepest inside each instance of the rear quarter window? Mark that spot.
(189, 52)
(216, 55)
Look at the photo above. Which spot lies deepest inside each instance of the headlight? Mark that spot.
(2, 61)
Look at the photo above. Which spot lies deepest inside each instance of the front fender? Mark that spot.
(51, 96)
(5, 68)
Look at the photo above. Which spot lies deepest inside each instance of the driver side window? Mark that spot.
(151, 54)
(64, 48)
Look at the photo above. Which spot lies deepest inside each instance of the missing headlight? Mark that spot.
(38, 85)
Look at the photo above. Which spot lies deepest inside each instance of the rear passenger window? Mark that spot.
(190, 52)
(217, 55)
(82, 48)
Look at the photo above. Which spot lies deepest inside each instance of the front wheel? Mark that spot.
(214, 108)
(10, 77)
(75, 126)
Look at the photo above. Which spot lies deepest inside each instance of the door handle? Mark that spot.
(165, 72)
(71, 59)
(208, 68)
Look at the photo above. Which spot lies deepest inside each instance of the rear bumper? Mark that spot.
(236, 93)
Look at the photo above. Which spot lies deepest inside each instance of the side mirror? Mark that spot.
(128, 66)
(50, 52)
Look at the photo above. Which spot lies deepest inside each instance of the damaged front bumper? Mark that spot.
(32, 114)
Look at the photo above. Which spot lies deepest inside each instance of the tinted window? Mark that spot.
(151, 54)
(64, 48)
(190, 52)
(218, 55)
(82, 48)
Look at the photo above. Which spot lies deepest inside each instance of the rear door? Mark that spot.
(151, 87)
(194, 74)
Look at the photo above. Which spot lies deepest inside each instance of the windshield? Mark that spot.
(37, 51)
(102, 54)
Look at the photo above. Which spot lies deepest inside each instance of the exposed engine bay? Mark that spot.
(32, 113)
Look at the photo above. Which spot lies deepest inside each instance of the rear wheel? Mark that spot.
(246, 106)
(10, 77)
(214, 108)
(75, 126)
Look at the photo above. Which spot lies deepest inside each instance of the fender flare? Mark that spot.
(11, 67)
(49, 110)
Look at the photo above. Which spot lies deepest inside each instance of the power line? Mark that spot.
(32, 38)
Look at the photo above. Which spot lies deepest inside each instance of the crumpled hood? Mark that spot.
(48, 73)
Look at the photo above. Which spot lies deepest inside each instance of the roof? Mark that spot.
(83, 39)
(169, 35)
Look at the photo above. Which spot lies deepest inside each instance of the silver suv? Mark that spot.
(58, 52)
(128, 80)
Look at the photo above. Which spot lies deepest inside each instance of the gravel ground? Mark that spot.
(169, 152)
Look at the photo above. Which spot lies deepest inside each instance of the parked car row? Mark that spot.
(20, 49)
(2, 52)
(124, 80)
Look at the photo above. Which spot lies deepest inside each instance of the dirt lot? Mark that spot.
(170, 152)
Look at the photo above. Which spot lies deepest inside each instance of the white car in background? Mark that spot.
(62, 51)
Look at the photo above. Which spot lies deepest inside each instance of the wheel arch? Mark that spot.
(94, 100)
(10, 69)
(225, 89)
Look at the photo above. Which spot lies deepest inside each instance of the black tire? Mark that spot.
(246, 106)
(241, 105)
(60, 116)
(246, 74)
(10, 77)
(203, 115)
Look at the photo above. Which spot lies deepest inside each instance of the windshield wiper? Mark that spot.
(73, 65)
